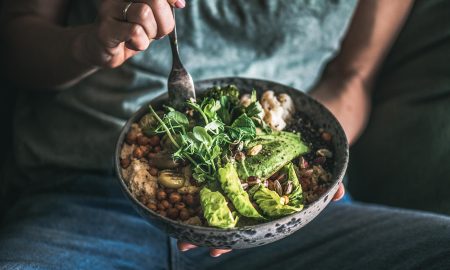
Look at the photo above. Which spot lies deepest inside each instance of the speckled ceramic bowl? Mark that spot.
(261, 234)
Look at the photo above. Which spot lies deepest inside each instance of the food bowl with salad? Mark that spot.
(245, 164)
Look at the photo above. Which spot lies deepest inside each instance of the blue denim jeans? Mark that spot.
(87, 223)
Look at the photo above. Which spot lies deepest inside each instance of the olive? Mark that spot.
(164, 160)
(170, 179)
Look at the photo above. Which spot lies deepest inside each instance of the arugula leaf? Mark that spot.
(243, 128)
(202, 135)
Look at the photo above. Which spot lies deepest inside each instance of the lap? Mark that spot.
(100, 230)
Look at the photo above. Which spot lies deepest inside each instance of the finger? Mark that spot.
(339, 193)
(217, 252)
(182, 246)
(163, 16)
(111, 33)
(138, 13)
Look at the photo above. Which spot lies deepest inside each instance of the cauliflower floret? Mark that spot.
(277, 109)
(142, 184)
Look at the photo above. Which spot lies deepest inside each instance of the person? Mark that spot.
(83, 67)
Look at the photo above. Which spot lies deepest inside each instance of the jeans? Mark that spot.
(87, 223)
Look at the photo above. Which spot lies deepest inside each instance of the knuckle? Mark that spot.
(135, 30)
(143, 12)
(166, 27)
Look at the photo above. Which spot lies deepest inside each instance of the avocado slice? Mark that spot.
(278, 149)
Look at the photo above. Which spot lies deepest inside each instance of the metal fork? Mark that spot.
(180, 84)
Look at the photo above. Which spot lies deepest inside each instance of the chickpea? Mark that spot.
(131, 137)
(326, 136)
(154, 140)
(162, 213)
(138, 152)
(151, 155)
(170, 190)
(143, 140)
(157, 149)
(174, 197)
(166, 204)
(125, 162)
(152, 206)
(188, 199)
(184, 214)
(153, 171)
(172, 213)
(180, 205)
(161, 195)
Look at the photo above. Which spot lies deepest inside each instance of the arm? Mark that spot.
(41, 52)
(345, 86)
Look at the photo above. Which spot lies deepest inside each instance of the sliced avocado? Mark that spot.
(278, 148)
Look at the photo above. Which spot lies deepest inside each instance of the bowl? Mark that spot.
(260, 234)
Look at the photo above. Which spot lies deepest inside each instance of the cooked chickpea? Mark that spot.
(172, 213)
(131, 137)
(154, 140)
(143, 140)
(188, 199)
(162, 213)
(152, 206)
(125, 162)
(153, 171)
(184, 214)
(180, 205)
(165, 204)
(157, 149)
(175, 197)
(161, 194)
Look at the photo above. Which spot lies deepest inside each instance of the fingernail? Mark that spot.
(215, 255)
(180, 4)
(184, 249)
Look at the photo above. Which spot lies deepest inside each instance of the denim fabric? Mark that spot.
(87, 223)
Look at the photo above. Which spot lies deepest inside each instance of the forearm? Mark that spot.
(42, 54)
(346, 84)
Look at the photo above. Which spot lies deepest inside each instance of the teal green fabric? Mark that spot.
(403, 157)
(285, 41)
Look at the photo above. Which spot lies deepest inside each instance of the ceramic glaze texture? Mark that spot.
(260, 234)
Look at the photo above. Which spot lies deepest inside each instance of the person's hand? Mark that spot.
(123, 29)
(182, 246)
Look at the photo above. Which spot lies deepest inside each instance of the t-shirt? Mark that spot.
(284, 41)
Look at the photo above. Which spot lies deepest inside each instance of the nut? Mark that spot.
(244, 186)
(281, 177)
(324, 153)
(303, 164)
(255, 150)
(161, 195)
(175, 197)
(288, 188)
(277, 187)
(253, 180)
(284, 200)
(171, 179)
(326, 136)
(173, 213)
(239, 156)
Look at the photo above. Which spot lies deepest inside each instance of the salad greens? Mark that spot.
(232, 187)
(215, 209)
(211, 135)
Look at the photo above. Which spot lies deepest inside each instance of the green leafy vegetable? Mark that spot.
(215, 209)
(296, 196)
(271, 203)
(231, 185)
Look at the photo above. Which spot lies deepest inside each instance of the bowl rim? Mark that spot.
(120, 140)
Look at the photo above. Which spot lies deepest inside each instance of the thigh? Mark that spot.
(347, 236)
(87, 230)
